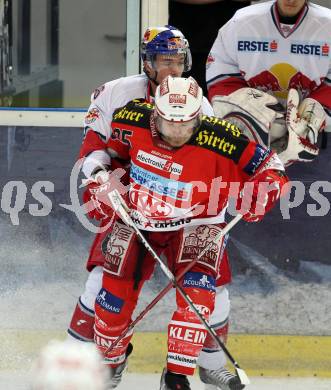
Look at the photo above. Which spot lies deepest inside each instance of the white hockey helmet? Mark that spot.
(177, 109)
(69, 365)
(178, 99)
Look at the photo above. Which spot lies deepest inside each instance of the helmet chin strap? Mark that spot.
(152, 79)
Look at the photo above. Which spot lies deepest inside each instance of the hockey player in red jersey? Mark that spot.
(164, 51)
(170, 197)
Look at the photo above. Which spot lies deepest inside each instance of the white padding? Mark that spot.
(92, 287)
(215, 360)
(96, 159)
(222, 306)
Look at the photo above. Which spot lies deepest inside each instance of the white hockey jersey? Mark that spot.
(104, 101)
(255, 49)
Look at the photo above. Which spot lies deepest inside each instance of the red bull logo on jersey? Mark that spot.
(269, 46)
(320, 50)
(92, 116)
(280, 78)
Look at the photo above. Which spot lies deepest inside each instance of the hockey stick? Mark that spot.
(169, 286)
(121, 209)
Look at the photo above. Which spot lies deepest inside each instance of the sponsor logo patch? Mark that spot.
(177, 98)
(199, 280)
(310, 49)
(160, 185)
(191, 335)
(267, 45)
(260, 154)
(159, 163)
(209, 138)
(150, 206)
(109, 302)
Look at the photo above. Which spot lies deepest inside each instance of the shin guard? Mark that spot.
(186, 335)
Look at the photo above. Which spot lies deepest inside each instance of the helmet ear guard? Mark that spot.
(165, 40)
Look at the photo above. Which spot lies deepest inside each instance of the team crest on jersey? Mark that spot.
(196, 238)
(92, 116)
(267, 45)
(310, 49)
(115, 248)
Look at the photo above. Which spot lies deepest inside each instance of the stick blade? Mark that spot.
(243, 376)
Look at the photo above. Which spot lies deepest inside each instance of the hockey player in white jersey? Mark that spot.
(164, 52)
(274, 47)
(269, 53)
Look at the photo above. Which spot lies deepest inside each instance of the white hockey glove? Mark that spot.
(251, 110)
(303, 123)
(313, 113)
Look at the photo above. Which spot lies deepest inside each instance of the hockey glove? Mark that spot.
(95, 196)
(303, 124)
(253, 111)
(261, 194)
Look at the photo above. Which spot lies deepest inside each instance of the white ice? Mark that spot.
(18, 381)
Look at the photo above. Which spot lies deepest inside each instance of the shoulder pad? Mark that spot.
(221, 137)
(136, 113)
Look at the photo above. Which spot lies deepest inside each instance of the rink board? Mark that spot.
(259, 355)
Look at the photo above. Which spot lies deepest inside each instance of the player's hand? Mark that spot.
(261, 194)
(96, 197)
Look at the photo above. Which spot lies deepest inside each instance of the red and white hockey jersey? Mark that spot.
(172, 188)
(255, 49)
(104, 101)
